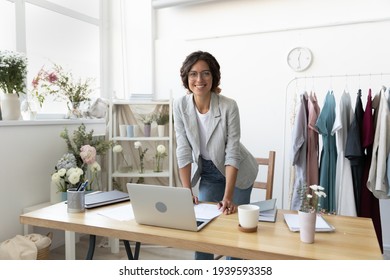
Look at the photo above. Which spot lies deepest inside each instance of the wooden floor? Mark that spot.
(103, 251)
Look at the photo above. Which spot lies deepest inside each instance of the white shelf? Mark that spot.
(114, 136)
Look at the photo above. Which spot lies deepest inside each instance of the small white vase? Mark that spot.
(10, 107)
(161, 130)
(307, 226)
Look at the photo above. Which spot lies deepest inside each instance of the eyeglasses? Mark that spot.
(193, 75)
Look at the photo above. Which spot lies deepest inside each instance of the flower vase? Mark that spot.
(55, 195)
(161, 130)
(10, 107)
(158, 165)
(307, 226)
(74, 111)
(147, 128)
(141, 166)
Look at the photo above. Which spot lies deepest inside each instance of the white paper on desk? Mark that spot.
(206, 211)
(321, 225)
(121, 213)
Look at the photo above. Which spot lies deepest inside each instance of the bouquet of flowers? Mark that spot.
(311, 198)
(62, 85)
(80, 161)
(13, 72)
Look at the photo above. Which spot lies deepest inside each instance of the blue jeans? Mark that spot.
(212, 189)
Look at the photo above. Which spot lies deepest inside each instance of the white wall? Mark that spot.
(251, 40)
(29, 151)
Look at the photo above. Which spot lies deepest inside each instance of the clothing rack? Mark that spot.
(290, 104)
(345, 76)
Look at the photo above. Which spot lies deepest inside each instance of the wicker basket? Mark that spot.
(43, 253)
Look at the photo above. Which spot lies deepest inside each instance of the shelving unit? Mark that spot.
(114, 122)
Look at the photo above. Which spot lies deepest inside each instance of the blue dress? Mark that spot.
(328, 155)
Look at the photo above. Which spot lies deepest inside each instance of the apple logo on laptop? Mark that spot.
(161, 207)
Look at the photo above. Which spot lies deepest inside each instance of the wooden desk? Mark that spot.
(354, 238)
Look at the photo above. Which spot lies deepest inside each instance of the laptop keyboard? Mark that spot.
(198, 223)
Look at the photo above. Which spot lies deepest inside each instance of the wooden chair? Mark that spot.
(267, 185)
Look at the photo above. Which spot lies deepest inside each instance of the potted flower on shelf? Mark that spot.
(63, 86)
(159, 157)
(147, 120)
(161, 119)
(310, 205)
(13, 72)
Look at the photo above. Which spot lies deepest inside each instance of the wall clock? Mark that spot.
(299, 59)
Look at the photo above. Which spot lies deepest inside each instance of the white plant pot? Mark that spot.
(161, 130)
(307, 226)
(10, 107)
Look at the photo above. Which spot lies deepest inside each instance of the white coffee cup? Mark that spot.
(123, 130)
(248, 215)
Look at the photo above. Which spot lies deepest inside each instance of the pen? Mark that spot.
(83, 186)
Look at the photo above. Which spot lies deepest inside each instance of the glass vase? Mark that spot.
(158, 164)
(141, 166)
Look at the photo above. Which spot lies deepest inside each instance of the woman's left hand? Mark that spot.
(227, 207)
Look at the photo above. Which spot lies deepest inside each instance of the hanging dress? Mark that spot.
(298, 151)
(378, 182)
(369, 204)
(328, 155)
(354, 150)
(312, 141)
(345, 198)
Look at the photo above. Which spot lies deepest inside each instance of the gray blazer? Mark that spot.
(223, 139)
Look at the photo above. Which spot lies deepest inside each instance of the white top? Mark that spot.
(203, 124)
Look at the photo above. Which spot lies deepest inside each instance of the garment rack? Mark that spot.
(346, 76)
(287, 109)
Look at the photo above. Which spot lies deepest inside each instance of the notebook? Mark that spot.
(268, 210)
(97, 199)
(170, 207)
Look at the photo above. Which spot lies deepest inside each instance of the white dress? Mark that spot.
(345, 199)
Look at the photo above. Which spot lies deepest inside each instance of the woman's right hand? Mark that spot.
(195, 199)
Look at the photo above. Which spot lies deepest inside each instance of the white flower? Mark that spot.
(95, 167)
(117, 149)
(62, 172)
(74, 178)
(137, 144)
(55, 177)
(161, 149)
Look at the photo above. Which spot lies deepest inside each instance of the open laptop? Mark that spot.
(163, 206)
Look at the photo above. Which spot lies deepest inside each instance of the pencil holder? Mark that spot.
(76, 201)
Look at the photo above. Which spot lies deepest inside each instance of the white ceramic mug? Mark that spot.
(248, 215)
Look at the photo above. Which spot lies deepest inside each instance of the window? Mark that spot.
(64, 32)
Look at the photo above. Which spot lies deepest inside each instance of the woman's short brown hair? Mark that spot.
(209, 59)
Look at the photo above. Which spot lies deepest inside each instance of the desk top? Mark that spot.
(353, 238)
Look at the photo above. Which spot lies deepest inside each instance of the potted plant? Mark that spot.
(13, 72)
(147, 121)
(161, 118)
(310, 205)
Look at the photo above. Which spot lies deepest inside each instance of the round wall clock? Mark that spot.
(299, 59)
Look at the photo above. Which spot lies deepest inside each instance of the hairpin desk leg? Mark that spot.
(91, 247)
(128, 250)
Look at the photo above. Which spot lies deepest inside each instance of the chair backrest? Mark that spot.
(269, 183)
